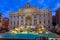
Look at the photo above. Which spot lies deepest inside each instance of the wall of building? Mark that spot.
(58, 16)
(1, 20)
(30, 16)
(5, 23)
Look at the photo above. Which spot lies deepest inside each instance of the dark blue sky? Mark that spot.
(7, 6)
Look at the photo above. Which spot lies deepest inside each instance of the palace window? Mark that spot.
(30, 24)
(11, 22)
(39, 15)
(17, 23)
(39, 21)
(48, 14)
(26, 24)
(14, 22)
(11, 17)
(21, 22)
(22, 17)
(35, 22)
(14, 16)
(48, 21)
(44, 21)
(34, 16)
(44, 15)
(14, 27)
(18, 17)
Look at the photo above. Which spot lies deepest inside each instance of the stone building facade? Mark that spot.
(58, 16)
(1, 20)
(30, 17)
(5, 23)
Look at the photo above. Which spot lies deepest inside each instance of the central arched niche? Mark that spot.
(28, 20)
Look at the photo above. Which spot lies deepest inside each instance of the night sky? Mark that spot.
(7, 6)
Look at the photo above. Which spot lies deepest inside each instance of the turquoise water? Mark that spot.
(28, 36)
(20, 36)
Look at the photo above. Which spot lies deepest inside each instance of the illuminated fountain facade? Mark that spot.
(30, 17)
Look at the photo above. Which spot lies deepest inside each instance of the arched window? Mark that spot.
(34, 16)
(39, 21)
(35, 22)
(44, 21)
